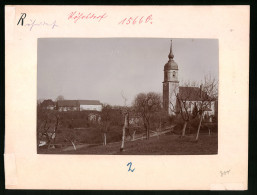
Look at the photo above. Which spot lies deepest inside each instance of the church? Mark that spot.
(172, 90)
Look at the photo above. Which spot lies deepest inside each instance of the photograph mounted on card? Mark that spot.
(127, 96)
(101, 97)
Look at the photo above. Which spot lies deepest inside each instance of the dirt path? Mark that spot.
(70, 148)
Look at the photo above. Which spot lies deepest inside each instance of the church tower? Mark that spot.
(170, 84)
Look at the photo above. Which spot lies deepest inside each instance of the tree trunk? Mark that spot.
(48, 140)
(104, 141)
(53, 138)
(133, 137)
(55, 129)
(123, 133)
(146, 136)
(199, 126)
(73, 145)
(148, 131)
(184, 129)
(160, 129)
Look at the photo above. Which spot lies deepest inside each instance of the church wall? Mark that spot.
(212, 107)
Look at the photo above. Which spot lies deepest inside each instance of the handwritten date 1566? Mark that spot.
(137, 20)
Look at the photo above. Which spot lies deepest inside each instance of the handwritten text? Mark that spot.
(75, 16)
(34, 23)
(130, 164)
(222, 173)
(21, 20)
(137, 20)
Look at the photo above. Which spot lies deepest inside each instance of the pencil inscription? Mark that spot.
(34, 23)
(31, 23)
(222, 173)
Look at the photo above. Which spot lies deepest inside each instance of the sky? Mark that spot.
(104, 68)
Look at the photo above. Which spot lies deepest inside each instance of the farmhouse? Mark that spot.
(67, 105)
(191, 96)
(90, 105)
(78, 105)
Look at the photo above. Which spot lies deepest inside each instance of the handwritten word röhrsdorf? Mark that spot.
(137, 20)
(75, 16)
(34, 23)
(31, 23)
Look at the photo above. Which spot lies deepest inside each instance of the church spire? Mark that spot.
(171, 56)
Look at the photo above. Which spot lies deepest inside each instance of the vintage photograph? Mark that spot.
(127, 96)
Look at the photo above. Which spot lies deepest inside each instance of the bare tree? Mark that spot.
(161, 117)
(185, 100)
(70, 136)
(209, 94)
(134, 123)
(60, 97)
(48, 126)
(39, 101)
(147, 105)
(192, 101)
(57, 123)
(105, 121)
(125, 113)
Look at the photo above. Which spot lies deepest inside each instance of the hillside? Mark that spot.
(165, 145)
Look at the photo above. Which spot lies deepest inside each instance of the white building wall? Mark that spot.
(64, 109)
(91, 107)
(212, 107)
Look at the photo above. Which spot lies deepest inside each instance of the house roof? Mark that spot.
(191, 94)
(89, 102)
(68, 103)
(48, 102)
(74, 103)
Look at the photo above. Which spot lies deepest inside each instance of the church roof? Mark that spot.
(171, 64)
(192, 94)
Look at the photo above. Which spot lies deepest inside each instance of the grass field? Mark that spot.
(165, 145)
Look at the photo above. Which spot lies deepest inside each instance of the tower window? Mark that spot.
(174, 73)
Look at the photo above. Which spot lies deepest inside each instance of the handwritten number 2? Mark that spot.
(130, 164)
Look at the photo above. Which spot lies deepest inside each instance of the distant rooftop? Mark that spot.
(89, 102)
(68, 103)
(74, 103)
